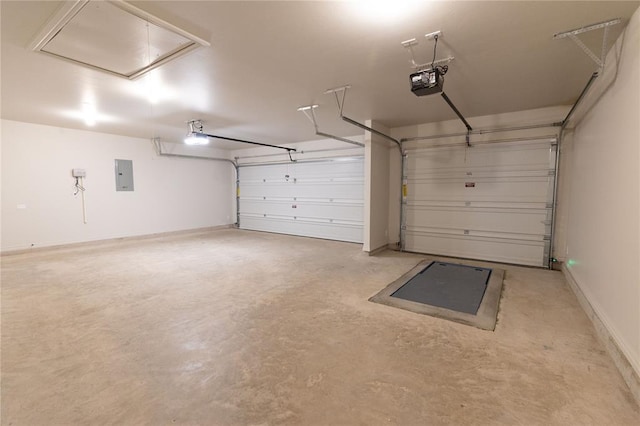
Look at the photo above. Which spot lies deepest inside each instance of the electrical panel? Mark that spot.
(124, 175)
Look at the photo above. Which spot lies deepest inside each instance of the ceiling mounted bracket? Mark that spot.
(409, 44)
(573, 35)
(340, 101)
(309, 112)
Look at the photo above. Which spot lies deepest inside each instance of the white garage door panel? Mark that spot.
(489, 220)
(315, 199)
(286, 225)
(527, 253)
(507, 156)
(288, 190)
(514, 190)
(336, 169)
(490, 202)
(302, 209)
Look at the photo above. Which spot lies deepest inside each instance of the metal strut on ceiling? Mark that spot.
(309, 112)
(573, 35)
(340, 102)
(195, 128)
(408, 44)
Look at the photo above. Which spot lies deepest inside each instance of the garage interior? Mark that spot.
(199, 200)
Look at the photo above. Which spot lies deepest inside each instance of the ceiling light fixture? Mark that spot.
(89, 114)
(195, 136)
(384, 11)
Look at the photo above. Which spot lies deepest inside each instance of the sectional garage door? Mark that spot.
(322, 198)
(489, 201)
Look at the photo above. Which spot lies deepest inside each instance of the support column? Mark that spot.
(376, 187)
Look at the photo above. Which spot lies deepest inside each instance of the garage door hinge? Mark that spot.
(549, 205)
(552, 173)
(547, 238)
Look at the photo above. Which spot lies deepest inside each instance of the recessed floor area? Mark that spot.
(453, 291)
(237, 327)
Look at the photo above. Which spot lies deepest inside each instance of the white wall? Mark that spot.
(603, 170)
(170, 194)
(376, 189)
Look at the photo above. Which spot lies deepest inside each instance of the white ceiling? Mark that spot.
(268, 58)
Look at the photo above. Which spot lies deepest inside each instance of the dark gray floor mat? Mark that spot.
(447, 285)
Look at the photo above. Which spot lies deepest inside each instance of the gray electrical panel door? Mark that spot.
(124, 175)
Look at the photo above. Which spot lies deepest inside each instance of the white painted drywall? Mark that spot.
(603, 168)
(376, 188)
(39, 208)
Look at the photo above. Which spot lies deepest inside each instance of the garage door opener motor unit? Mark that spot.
(427, 82)
(428, 78)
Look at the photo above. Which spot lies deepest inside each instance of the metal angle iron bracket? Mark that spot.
(409, 44)
(309, 112)
(340, 102)
(573, 35)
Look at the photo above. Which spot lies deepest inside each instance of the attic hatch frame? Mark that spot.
(65, 14)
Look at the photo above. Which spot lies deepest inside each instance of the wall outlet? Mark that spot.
(78, 173)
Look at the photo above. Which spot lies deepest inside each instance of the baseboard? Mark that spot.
(114, 240)
(376, 251)
(615, 349)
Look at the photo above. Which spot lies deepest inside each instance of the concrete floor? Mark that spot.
(245, 328)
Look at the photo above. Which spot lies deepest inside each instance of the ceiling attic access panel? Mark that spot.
(113, 36)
